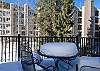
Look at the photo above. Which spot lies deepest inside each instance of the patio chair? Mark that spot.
(26, 58)
(31, 61)
(89, 63)
(89, 68)
(46, 63)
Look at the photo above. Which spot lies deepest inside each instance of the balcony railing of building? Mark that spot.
(10, 46)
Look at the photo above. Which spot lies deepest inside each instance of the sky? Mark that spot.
(22, 2)
(79, 3)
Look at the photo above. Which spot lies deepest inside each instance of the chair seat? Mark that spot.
(89, 63)
(38, 68)
(45, 63)
(48, 62)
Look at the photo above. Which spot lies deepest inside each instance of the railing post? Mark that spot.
(18, 47)
(77, 41)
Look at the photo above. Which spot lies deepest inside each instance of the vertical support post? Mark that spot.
(77, 41)
(61, 38)
(18, 47)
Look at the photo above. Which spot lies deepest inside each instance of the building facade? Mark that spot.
(77, 18)
(87, 20)
(90, 19)
(14, 21)
(5, 21)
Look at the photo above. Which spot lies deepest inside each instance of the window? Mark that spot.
(79, 33)
(7, 12)
(0, 25)
(22, 15)
(30, 32)
(80, 14)
(0, 19)
(4, 13)
(22, 21)
(3, 26)
(0, 13)
(23, 32)
(79, 20)
(0, 32)
(23, 28)
(4, 19)
(96, 20)
(7, 25)
(34, 26)
(7, 19)
(96, 13)
(7, 31)
(79, 27)
(36, 33)
(3, 31)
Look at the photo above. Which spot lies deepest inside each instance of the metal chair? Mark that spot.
(26, 57)
(46, 63)
(89, 68)
(30, 60)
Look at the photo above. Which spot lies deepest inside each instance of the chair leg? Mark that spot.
(76, 67)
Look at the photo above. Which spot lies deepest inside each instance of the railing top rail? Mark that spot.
(47, 36)
(8, 36)
(56, 37)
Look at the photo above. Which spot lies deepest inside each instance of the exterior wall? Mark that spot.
(13, 25)
(76, 30)
(87, 12)
(5, 22)
(75, 19)
(10, 27)
(30, 27)
(87, 15)
(83, 22)
(98, 16)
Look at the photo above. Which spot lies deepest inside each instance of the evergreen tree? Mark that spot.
(54, 17)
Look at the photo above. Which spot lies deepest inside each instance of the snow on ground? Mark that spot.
(11, 66)
(16, 66)
(84, 60)
(59, 49)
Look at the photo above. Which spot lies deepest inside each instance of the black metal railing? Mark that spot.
(10, 46)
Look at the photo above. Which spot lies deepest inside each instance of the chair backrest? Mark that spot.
(37, 58)
(27, 57)
(89, 68)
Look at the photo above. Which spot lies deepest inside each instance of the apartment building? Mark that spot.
(30, 26)
(5, 21)
(14, 21)
(90, 19)
(77, 20)
(87, 20)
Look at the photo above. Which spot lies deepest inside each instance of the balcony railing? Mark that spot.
(10, 46)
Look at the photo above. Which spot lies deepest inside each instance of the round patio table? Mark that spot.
(59, 51)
